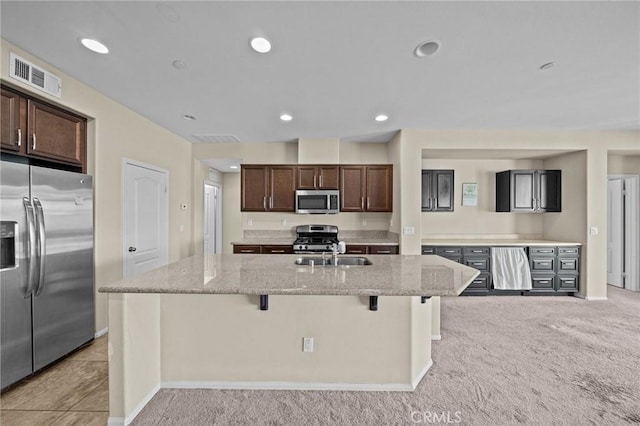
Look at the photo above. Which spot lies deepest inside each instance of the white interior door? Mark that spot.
(209, 226)
(615, 232)
(145, 222)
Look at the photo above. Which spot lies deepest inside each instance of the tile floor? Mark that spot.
(75, 391)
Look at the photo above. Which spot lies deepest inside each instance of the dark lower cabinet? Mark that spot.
(554, 270)
(371, 249)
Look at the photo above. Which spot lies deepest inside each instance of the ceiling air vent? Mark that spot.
(216, 138)
(28, 73)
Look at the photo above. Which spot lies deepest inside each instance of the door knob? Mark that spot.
(131, 249)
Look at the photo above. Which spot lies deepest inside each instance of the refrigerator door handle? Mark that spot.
(42, 239)
(31, 248)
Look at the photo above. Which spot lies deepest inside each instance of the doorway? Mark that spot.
(145, 218)
(623, 226)
(212, 219)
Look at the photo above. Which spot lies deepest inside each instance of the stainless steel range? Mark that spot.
(315, 238)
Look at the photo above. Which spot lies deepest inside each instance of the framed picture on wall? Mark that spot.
(469, 194)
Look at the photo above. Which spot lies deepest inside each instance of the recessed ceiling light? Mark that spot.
(178, 64)
(427, 48)
(547, 66)
(286, 117)
(260, 44)
(188, 117)
(233, 167)
(94, 45)
(381, 117)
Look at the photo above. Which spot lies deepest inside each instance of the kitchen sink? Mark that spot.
(328, 261)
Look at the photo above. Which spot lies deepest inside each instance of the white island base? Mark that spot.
(225, 342)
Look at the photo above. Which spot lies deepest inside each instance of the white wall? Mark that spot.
(623, 164)
(115, 132)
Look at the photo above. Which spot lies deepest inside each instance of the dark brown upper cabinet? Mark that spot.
(318, 177)
(437, 190)
(38, 130)
(366, 188)
(268, 188)
(529, 191)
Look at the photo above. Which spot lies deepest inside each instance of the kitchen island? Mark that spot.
(202, 323)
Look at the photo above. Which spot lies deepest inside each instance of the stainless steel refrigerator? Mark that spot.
(46, 278)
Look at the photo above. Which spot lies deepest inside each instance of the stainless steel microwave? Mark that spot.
(318, 201)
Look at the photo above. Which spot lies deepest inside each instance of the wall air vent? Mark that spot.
(34, 76)
(216, 138)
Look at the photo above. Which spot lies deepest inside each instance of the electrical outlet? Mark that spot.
(307, 344)
(593, 230)
(284, 222)
(409, 230)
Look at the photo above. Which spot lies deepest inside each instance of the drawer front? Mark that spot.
(543, 282)
(476, 251)
(243, 249)
(449, 251)
(568, 251)
(567, 282)
(567, 264)
(479, 264)
(277, 249)
(543, 265)
(481, 282)
(457, 259)
(356, 249)
(428, 250)
(542, 251)
(383, 249)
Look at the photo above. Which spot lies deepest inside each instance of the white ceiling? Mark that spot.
(335, 65)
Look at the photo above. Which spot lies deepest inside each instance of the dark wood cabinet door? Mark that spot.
(356, 249)
(443, 185)
(13, 116)
(523, 190)
(383, 249)
(56, 134)
(277, 249)
(282, 188)
(328, 177)
(549, 191)
(352, 188)
(246, 249)
(253, 188)
(379, 193)
(427, 193)
(307, 178)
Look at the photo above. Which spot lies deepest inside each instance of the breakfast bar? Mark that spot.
(198, 323)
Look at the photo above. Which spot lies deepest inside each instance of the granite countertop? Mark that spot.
(389, 275)
(494, 242)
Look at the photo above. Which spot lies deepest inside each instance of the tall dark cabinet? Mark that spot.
(529, 191)
(437, 190)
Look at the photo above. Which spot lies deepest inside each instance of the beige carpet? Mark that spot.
(502, 361)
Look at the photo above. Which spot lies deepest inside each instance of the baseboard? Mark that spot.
(102, 332)
(593, 298)
(436, 337)
(141, 405)
(115, 421)
(309, 386)
(420, 375)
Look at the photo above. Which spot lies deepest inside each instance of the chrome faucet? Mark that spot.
(336, 249)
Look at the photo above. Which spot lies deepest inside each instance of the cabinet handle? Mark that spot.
(320, 181)
(384, 252)
(355, 251)
(264, 203)
(314, 181)
(19, 141)
(361, 203)
(277, 251)
(477, 263)
(270, 202)
(33, 146)
(450, 251)
(246, 251)
(367, 203)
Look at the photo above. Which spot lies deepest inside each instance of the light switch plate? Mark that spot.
(307, 344)
(593, 230)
